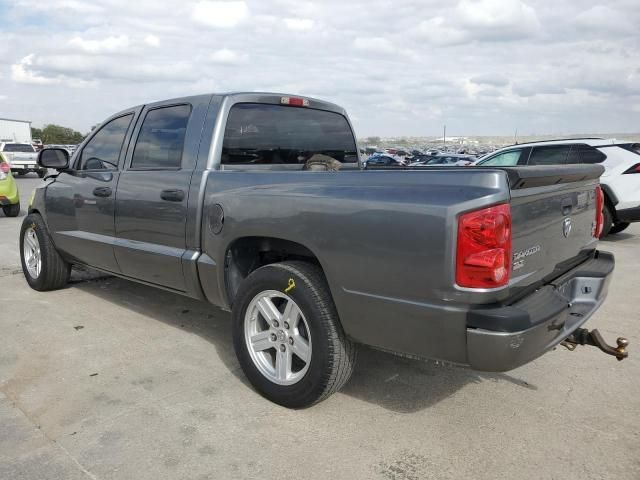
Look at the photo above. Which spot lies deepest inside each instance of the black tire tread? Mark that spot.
(339, 354)
(607, 220)
(11, 210)
(344, 351)
(55, 270)
(619, 227)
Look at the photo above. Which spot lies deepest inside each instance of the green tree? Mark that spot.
(56, 134)
(36, 133)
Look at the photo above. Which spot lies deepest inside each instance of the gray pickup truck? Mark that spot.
(257, 203)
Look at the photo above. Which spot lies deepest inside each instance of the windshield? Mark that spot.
(275, 134)
(18, 147)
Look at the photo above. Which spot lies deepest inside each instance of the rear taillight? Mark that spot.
(483, 256)
(634, 169)
(599, 224)
(5, 167)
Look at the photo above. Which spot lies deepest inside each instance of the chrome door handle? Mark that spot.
(102, 192)
(172, 195)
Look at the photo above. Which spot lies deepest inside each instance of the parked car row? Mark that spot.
(418, 160)
(621, 162)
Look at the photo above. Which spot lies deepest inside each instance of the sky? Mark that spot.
(401, 67)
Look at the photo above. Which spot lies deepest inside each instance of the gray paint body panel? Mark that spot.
(386, 240)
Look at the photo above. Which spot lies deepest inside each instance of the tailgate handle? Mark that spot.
(567, 205)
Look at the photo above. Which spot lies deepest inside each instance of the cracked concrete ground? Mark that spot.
(108, 379)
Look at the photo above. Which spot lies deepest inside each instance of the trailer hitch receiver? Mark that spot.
(582, 336)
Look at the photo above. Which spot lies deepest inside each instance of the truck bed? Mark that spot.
(386, 239)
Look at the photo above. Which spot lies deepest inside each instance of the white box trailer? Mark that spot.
(18, 131)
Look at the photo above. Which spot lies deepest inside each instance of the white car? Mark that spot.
(620, 181)
(22, 157)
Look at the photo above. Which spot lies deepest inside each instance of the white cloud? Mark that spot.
(27, 71)
(59, 5)
(489, 14)
(492, 79)
(106, 45)
(603, 17)
(220, 14)
(299, 24)
(374, 44)
(226, 56)
(437, 31)
(398, 66)
(483, 20)
(22, 72)
(152, 40)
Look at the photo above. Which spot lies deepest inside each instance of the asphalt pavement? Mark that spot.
(108, 379)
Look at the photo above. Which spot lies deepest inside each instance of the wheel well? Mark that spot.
(247, 254)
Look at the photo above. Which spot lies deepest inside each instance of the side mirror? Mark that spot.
(57, 158)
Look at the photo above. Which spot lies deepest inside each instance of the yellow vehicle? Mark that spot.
(9, 197)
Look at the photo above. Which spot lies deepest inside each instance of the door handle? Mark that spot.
(102, 192)
(567, 206)
(172, 195)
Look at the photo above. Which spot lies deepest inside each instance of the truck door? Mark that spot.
(80, 202)
(152, 194)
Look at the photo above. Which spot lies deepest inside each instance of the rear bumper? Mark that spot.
(503, 338)
(628, 215)
(26, 167)
(8, 192)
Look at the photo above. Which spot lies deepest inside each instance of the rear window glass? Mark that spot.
(262, 134)
(553, 155)
(632, 147)
(18, 147)
(585, 154)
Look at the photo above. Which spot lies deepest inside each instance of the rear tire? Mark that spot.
(607, 223)
(43, 267)
(11, 210)
(618, 227)
(331, 355)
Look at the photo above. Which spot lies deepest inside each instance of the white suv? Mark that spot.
(619, 181)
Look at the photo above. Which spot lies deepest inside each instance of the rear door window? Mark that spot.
(265, 134)
(505, 159)
(161, 139)
(549, 155)
(103, 149)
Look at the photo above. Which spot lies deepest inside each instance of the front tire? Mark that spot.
(11, 210)
(43, 267)
(41, 173)
(287, 335)
(619, 227)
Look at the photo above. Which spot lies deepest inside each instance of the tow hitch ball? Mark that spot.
(582, 336)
